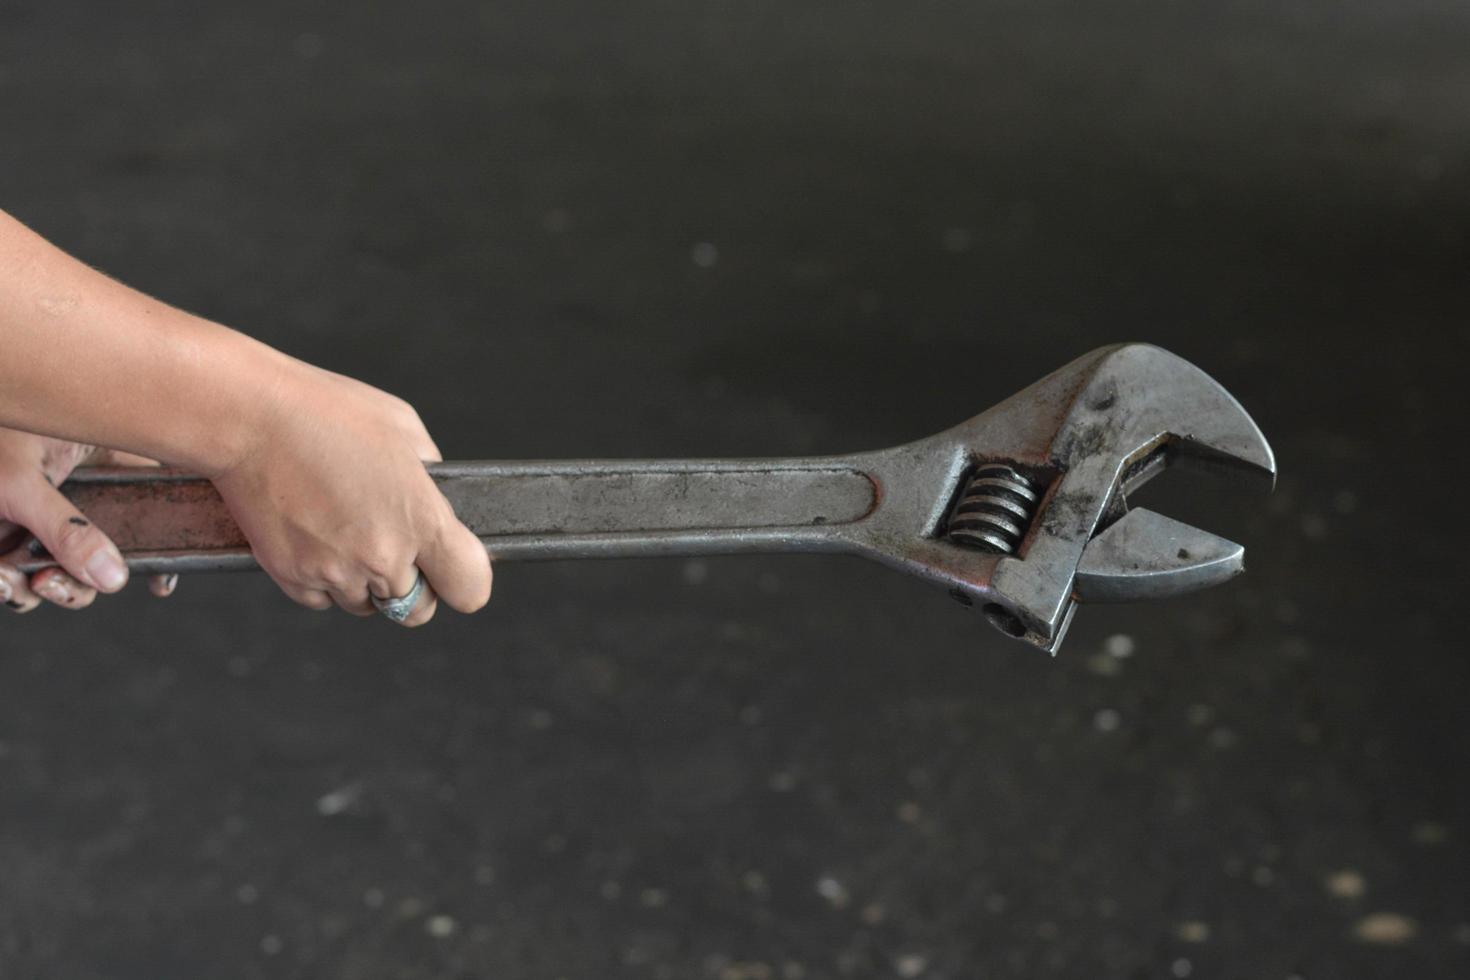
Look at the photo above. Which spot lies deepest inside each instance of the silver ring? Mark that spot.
(401, 608)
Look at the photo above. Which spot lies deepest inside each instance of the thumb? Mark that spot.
(84, 551)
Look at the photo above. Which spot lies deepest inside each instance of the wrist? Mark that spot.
(238, 405)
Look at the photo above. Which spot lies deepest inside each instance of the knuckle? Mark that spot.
(331, 575)
(399, 413)
(293, 577)
(74, 535)
(383, 557)
(406, 412)
(285, 577)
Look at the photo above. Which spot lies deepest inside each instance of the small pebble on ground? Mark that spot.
(1385, 929)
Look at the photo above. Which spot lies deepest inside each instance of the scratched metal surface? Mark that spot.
(642, 230)
(170, 521)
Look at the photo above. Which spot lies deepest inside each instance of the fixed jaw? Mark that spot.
(1045, 517)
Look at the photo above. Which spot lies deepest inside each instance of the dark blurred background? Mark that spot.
(718, 227)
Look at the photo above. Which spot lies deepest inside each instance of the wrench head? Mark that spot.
(1076, 442)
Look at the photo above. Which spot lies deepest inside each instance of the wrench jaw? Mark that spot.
(1083, 437)
(1145, 555)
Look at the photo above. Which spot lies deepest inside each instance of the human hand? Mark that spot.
(31, 467)
(337, 506)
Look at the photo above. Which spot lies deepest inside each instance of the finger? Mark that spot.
(163, 585)
(355, 601)
(397, 585)
(400, 583)
(424, 609)
(83, 550)
(458, 568)
(60, 589)
(15, 588)
(426, 604)
(313, 599)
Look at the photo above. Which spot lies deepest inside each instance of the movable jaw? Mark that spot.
(1038, 517)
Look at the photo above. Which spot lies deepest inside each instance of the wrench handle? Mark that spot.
(171, 521)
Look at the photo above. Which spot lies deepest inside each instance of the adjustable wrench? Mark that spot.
(1021, 511)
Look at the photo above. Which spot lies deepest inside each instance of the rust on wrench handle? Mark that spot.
(171, 521)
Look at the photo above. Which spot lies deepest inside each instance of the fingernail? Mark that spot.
(53, 589)
(107, 569)
(172, 582)
(5, 591)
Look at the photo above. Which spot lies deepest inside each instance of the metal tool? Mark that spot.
(1021, 511)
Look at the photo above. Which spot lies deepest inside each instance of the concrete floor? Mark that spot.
(569, 228)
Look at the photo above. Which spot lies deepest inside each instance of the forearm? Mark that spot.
(84, 357)
(323, 474)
